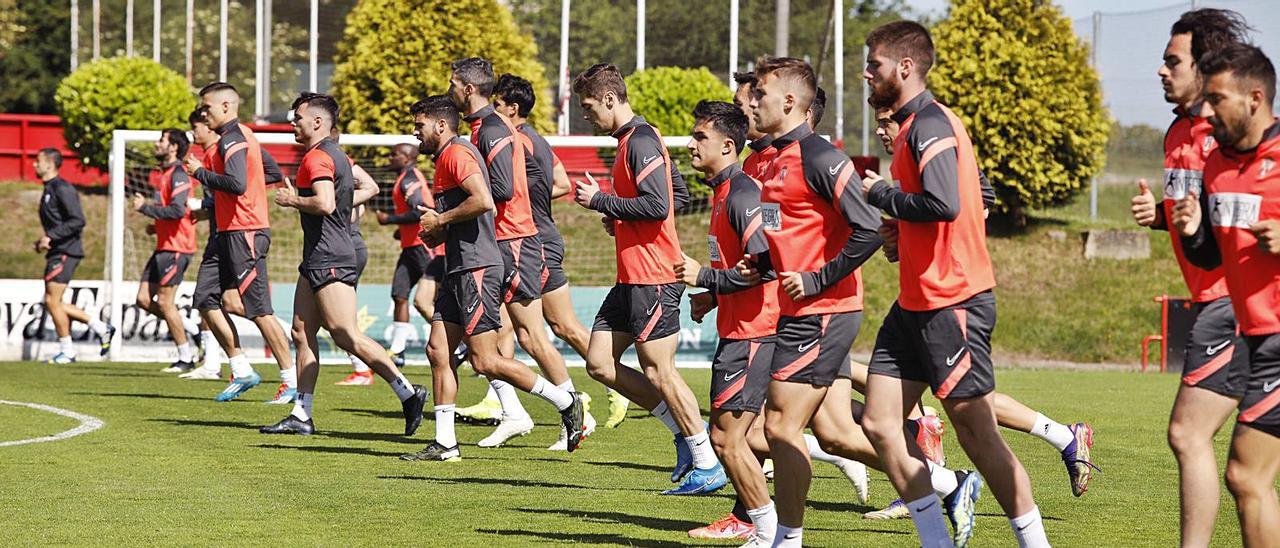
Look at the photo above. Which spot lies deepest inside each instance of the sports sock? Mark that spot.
(788, 537)
(358, 364)
(506, 395)
(289, 377)
(1029, 530)
(99, 328)
(555, 396)
(926, 513)
(816, 452)
(444, 426)
(567, 386)
(765, 518)
(240, 366)
(492, 394)
(66, 346)
(704, 456)
(302, 406)
(404, 389)
(944, 481)
(210, 343)
(400, 332)
(740, 510)
(186, 353)
(190, 326)
(1057, 435)
(664, 414)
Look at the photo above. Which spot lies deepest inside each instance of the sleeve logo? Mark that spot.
(1234, 209)
(836, 168)
(926, 144)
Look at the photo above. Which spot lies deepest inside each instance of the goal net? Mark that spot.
(589, 255)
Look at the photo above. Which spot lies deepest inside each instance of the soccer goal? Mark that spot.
(589, 252)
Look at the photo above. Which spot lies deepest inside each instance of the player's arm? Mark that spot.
(745, 218)
(236, 165)
(72, 216)
(933, 146)
(323, 202)
(366, 187)
(498, 149)
(988, 191)
(478, 201)
(679, 190)
(1200, 247)
(560, 184)
(270, 168)
(864, 240)
(645, 160)
(180, 188)
(411, 188)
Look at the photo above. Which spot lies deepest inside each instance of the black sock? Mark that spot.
(740, 510)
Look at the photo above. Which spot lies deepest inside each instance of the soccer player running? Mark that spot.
(643, 308)
(175, 232)
(1217, 366)
(62, 220)
(467, 304)
(1235, 223)
(470, 88)
(418, 266)
(325, 294)
(238, 180)
(938, 332)
(365, 189)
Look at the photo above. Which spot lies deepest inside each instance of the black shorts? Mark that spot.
(435, 268)
(60, 268)
(1217, 359)
(647, 312)
(362, 254)
(242, 265)
(521, 269)
(208, 293)
(320, 277)
(949, 348)
(410, 268)
(1260, 407)
(471, 299)
(166, 268)
(740, 374)
(553, 277)
(814, 349)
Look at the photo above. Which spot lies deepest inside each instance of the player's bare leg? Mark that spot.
(1252, 468)
(603, 364)
(1198, 414)
(974, 422)
(557, 310)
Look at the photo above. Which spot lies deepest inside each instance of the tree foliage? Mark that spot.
(33, 54)
(396, 52)
(119, 93)
(1015, 72)
(665, 96)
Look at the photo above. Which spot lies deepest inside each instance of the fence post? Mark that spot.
(1093, 183)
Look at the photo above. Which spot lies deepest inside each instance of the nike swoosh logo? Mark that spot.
(1268, 387)
(728, 377)
(836, 168)
(806, 347)
(926, 144)
(494, 142)
(952, 360)
(650, 159)
(791, 536)
(1215, 349)
(753, 211)
(473, 306)
(245, 273)
(651, 309)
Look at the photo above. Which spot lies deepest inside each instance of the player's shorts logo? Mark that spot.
(1214, 349)
(951, 361)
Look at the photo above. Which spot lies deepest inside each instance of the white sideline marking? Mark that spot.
(87, 423)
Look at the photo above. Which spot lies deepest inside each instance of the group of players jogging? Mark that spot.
(790, 227)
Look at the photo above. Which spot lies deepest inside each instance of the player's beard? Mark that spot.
(429, 146)
(1228, 133)
(885, 93)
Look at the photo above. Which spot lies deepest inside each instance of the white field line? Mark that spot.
(87, 423)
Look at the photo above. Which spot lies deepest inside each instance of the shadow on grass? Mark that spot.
(374, 413)
(508, 483)
(1004, 517)
(143, 396)
(214, 424)
(632, 466)
(589, 538)
(332, 450)
(370, 436)
(648, 522)
(839, 506)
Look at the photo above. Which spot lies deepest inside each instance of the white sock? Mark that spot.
(704, 456)
(400, 332)
(765, 518)
(788, 537)
(240, 366)
(1057, 435)
(185, 352)
(664, 414)
(99, 328)
(190, 326)
(555, 396)
(66, 346)
(492, 394)
(211, 346)
(506, 395)
(567, 386)
(302, 406)
(944, 481)
(1029, 530)
(444, 426)
(404, 389)
(358, 365)
(816, 452)
(926, 513)
(289, 378)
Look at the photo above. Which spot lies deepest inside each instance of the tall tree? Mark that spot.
(35, 54)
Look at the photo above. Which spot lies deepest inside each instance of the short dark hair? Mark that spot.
(1211, 29)
(197, 116)
(475, 71)
(179, 138)
(819, 106)
(513, 89)
(218, 86)
(1246, 62)
(599, 79)
(54, 155)
(725, 118)
(325, 102)
(903, 39)
(791, 68)
(438, 107)
(744, 78)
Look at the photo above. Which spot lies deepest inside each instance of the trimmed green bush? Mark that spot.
(1018, 76)
(665, 96)
(119, 93)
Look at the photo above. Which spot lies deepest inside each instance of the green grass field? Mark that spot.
(172, 467)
